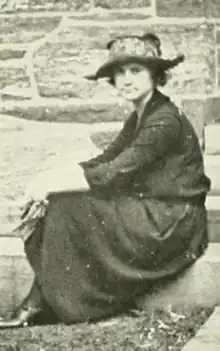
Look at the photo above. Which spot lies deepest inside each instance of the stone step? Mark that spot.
(212, 169)
(16, 275)
(199, 285)
(10, 218)
(207, 338)
(212, 141)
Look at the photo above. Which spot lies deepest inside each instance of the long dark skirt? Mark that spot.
(92, 254)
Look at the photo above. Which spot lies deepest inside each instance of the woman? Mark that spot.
(136, 214)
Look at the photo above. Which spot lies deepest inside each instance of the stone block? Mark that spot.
(50, 5)
(10, 247)
(213, 209)
(214, 8)
(23, 279)
(15, 286)
(207, 337)
(211, 110)
(6, 296)
(214, 226)
(217, 34)
(10, 54)
(218, 55)
(63, 62)
(17, 29)
(181, 8)
(112, 4)
(7, 284)
(212, 169)
(103, 14)
(8, 213)
(194, 110)
(83, 112)
(14, 84)
(212, 142)
(197, 286)
(218, 73)
(16, 275)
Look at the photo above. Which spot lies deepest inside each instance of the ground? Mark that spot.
(156, 331)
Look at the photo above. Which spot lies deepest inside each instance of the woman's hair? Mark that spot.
(160, 78)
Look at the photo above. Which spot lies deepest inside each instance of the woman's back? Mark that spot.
(179, 173)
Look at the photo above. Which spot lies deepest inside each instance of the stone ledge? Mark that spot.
(208, 336)
(80, 15)
(199, 285)
(105, 110)
(10, 218)
(73, 110)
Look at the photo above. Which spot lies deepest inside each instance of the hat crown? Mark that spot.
(145, 49)
(133, 46)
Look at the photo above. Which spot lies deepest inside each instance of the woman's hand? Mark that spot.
(33, 210)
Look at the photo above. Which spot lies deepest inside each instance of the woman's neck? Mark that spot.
(140, 104)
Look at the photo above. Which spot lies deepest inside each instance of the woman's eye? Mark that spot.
(135, 70)
(119, 71)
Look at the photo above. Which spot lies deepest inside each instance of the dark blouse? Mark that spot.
(161, 158)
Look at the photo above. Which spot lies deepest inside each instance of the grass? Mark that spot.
(155, 331)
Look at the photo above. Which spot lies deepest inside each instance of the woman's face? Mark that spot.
(133, 81)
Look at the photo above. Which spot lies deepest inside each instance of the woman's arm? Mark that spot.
(152, 143)
(115, 147)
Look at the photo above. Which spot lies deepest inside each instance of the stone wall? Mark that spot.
(47, 47)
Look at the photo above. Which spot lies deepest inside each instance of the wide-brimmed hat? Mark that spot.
(143, 49)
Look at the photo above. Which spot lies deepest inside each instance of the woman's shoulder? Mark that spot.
(170, 106)
(167, 110)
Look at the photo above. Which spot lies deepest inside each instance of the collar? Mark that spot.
(156, 100)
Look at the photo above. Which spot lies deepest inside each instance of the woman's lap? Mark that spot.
(94, 253)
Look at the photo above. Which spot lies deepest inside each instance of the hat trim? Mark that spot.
(106, 70)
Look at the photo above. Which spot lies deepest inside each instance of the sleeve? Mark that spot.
(112, 151)
(152, 142)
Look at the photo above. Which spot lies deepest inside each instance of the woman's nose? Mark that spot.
(127, 77)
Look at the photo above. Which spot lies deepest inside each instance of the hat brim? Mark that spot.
(154, 63)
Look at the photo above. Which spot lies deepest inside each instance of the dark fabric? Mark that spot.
(143, 220)
(162, 158)
(96, 254)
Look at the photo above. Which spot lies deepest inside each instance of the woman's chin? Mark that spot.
(131, 97)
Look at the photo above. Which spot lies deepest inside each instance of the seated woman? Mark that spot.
(128, 218)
